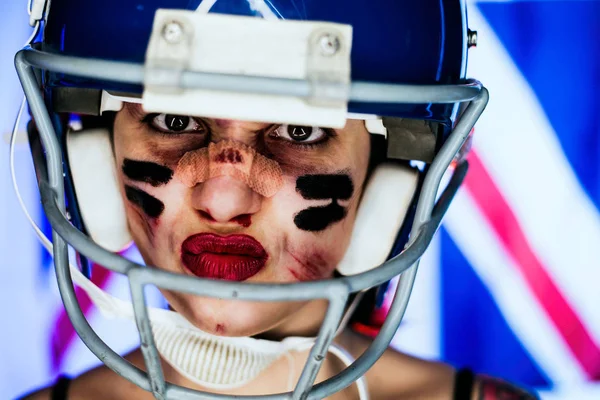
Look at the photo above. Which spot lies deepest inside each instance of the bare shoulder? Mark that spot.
(86, 386)
(397, 375)
(95, 384)
(103, 383)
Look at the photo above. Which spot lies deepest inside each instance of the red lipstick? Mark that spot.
(232, 258)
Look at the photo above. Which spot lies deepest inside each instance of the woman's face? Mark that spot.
(267, 203)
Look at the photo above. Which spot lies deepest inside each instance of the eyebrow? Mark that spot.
(147, 171)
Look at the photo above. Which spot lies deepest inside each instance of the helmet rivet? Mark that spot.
(329, 44)
(172, 32)
(471, 38)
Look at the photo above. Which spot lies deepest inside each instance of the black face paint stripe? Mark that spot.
(315, 219)
(146, 171)
(322, 187)
(151, 206)
(319, 187)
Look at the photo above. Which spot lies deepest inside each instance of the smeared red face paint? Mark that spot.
(310, 265)
(207, 228)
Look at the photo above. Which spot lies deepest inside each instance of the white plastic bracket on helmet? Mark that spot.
(316, 52)
(374, 125)
(36, 11)
(114, 102)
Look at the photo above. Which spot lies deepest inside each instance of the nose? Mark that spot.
(224, 198)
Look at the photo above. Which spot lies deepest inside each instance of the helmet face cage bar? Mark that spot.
(337, 291)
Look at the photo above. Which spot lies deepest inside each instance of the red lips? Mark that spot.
(233, 257)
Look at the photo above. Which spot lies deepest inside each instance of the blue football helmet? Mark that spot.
(399, 65)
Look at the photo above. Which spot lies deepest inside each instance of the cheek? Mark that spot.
(311, 254)
(311, 263)
(330, 187)
(317, 256)
(297, 163)
(158, 219)
(317, 219)
(148, 204)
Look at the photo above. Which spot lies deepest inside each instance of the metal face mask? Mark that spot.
(275, 64)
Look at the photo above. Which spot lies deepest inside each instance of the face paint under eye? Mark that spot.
(146, 171)
(150, 205)
(321, 187)
(315, 219)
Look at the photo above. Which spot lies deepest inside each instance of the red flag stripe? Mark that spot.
(496, 210)
(64, 332)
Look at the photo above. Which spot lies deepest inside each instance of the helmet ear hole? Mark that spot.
(385, 202)
(95, 182)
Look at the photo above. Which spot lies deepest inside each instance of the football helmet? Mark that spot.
(399, 65)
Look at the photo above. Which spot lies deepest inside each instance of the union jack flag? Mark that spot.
(510, 286)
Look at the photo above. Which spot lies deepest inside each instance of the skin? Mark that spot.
(216, 206)
(162, 212)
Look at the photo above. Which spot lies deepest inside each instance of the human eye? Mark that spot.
(175, 124)
(300, 134)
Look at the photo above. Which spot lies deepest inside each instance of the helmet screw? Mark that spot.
(173, 32)
(329, 43)
(471, 38)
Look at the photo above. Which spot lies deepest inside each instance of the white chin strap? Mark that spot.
(214, 362)
(217, 362)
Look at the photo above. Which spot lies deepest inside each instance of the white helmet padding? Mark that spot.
(383, 207)
(385, 202)
(94, 175)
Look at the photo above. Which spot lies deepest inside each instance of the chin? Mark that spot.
(230, 317)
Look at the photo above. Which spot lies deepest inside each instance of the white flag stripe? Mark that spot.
(524, 157)
(205, 6)
(420, 331)
(590, 391)
(484, 252)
